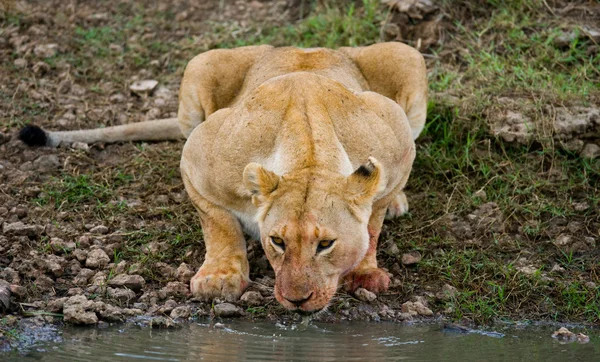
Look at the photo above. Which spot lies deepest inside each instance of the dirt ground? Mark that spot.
(504, 220)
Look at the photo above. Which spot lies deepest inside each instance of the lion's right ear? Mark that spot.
(260, 181)
(364, 183)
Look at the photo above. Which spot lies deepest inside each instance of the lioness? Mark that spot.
(305, 149)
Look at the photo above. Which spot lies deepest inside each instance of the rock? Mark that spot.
(416, 308)
(117, 98)
(100, 229)
(392, 249)
(97, 259)
(41, 68)
(365, 295)
(20, 229)
(43, 282)
(161, 199)
(513, 127)
(174, 289)
(167, 307)
(557, 269)
(20, 63)
(77, 310)
(527, 269)
(60, 246)
(143, 86)
(184, 273)
(45, 50)
(80, 254)
(21, 291)
(411, 258)
(121, 294)
(110, 312)
(165, 270)
(55, 265)
(481, 194)
(448, 292)
(564, 39)
(163, 323)
(80, 146)
(133, 282)
(121, 267)
(565, 335)
(183, 311)
(21, 211)
(225, 310)
(98, 279)
(252, 298)
(46, 163)
(563, 240)
(573, 121)
(580, 206)
(591, 151)
(74, 291)
(56, 305)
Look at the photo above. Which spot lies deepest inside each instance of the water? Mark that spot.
(267, 341)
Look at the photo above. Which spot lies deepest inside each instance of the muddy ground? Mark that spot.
(504, 220)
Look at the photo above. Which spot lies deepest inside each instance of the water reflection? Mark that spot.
(265, 341)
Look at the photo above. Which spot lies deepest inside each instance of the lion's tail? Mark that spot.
(158, 130)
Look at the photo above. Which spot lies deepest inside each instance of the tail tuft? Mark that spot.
(33, 136)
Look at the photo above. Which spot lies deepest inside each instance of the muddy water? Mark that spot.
(264, 341)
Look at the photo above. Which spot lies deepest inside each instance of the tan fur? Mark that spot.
(275, 141)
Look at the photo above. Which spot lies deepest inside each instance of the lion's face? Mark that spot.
(313, 229)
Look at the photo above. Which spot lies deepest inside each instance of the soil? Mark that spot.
(105, 233)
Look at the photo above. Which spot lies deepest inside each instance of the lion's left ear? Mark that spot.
(364, 183)
(259, 181)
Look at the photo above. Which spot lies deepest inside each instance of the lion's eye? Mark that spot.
(278, 242)
(324, 244)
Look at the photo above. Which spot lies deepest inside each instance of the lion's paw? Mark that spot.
(375, 280)
(218, 282)
(398, 206)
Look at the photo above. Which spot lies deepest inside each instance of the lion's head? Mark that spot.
(313, 226)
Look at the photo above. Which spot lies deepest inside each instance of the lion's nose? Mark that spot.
(298, 302)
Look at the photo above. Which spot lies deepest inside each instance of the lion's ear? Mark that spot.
(364, 183)
(260, 181)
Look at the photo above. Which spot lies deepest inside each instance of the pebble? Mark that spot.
(565, 335)
(20, 63)
(143, 86)
(590, 151)
(45, 50)
(133, 282)
(100, 229)
(97, 259)
(58, 245)
(183, 311)
(184, 273)
(77, 310)
(365, 295)
(20, 229)
(448, 292)
(46, 163)
(411, 258)
(252, 298)
(224, 310)
(416, 308)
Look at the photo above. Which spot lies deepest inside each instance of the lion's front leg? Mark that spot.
(367, 275)
(225, 271)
